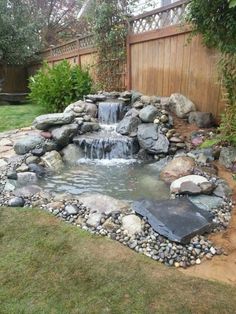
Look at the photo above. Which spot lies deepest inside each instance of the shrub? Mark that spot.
(54, 88)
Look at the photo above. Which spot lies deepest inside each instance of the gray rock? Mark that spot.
(135, 96)
(38, 152)
(16, 202)
(64, 134)
(129, 124)
(89, 127)
(181, 105)
(39, 170)
(26, 144)
(148, 113)
(44, 122)
(94, 220)
(80, 107)
(222, 189)
(195, 179)
(202, 119)
(159, 165)
(27, 178)
(103, 203)
(132, 224)
(146, 100)
(27, 191)
(53, 160)
(3, 163)
(71, 209)
(178, 220)
(151, 139)
(189, 188)
(71, 154)
(50, 146)
(206, 202)
(228, 156)
(32, 160)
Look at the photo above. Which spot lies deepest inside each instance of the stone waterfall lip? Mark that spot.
(179, 220)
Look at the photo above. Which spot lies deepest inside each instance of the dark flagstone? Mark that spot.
(179, 220)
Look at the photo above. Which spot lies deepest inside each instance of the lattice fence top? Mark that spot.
(172, 14)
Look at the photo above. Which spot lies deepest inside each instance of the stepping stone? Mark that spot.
(179, 220)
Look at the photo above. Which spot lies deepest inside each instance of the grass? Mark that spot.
(18, 116)
(48, 266)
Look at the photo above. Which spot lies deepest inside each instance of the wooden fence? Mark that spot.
(160, 59)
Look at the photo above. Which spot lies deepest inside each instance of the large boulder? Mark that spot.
(181, 105)
(151, 139)
(176, 168)
(179, 220)
(64, 134)
(228, 156)
(129, 124)
(71, 154)
(148, 113)
(177, 185)
(202, 119)
(53, 160)
(47, 121)
(26, 144)
(80, 107)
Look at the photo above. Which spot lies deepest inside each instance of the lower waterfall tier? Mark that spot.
(107, 145)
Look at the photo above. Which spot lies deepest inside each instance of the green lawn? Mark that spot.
(17, 116)
(48, 266)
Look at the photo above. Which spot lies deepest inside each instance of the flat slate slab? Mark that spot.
(179, 220)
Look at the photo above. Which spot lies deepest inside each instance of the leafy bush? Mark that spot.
(54, 88)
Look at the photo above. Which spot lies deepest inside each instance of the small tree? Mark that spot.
(19, 33)
(216, 21)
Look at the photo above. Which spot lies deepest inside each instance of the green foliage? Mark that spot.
(216, 21)
(19, 36)
(109, 24)
(54, 88)
(232, 3)
(210, 142)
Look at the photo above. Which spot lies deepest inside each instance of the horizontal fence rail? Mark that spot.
(84, 42)
(169, 15)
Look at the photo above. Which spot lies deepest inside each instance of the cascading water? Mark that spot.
(107, 143)
(110, 112)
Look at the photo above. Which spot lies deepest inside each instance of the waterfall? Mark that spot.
(107, 143)
(110, 112)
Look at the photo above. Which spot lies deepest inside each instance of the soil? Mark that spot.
(222, 268)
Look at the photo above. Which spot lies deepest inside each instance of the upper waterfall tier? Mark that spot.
(111, 112)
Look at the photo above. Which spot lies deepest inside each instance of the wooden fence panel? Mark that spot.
(15, 79)
(170, 64)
